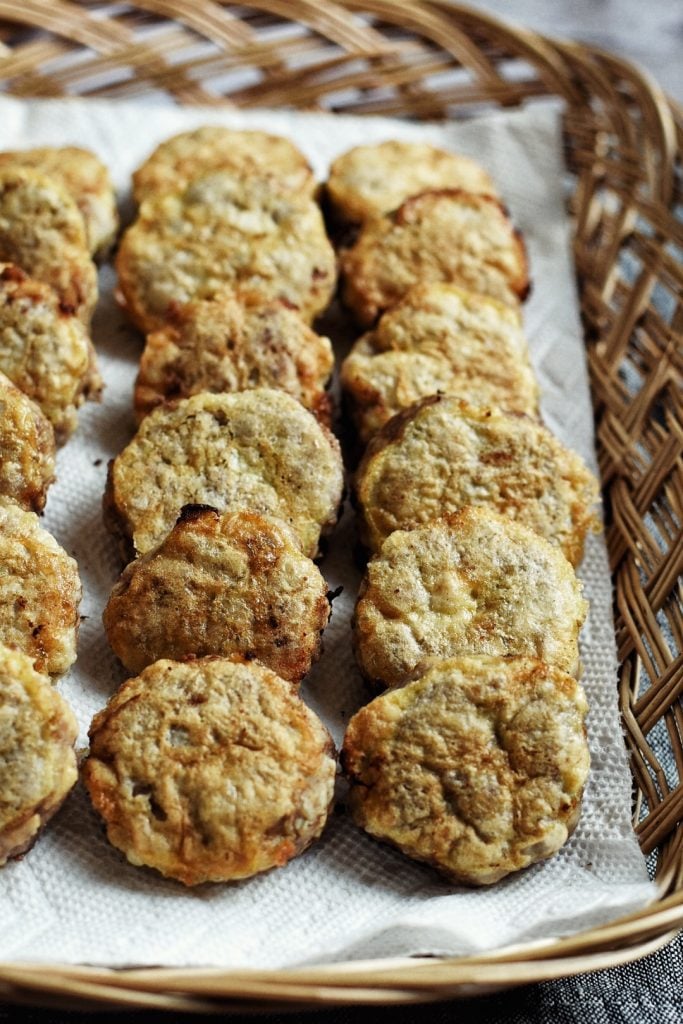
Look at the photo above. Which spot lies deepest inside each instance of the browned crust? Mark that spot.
(50, 356)
(148, 272)
(368, 297)
(248, 786)
(227, 345)
(402, 753)
(398, 169)
(570, 490)
(66, 266)
(40, 592)
(181, 600)
(400, 627)
(37, 760)
(279, 483)
(409, 212)
(31, 490)
(175, 161)
(87, 181)
(14, 842)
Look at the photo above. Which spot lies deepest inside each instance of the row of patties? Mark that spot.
(478, 766)
(219, 504)
(475, 516)
(57, 210)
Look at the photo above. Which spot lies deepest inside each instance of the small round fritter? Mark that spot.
(42, 231)
(441, 454)
(256, 449)
(439, 338)
(477, 768)
(27, 449)
(470, 583)
(87, 181)
(37, 759)
(451, 236)
(209, 770)
(226, 584)
(225, 234)
(45, 349)
(368, 181)
(40, 591)
(222, 345)
(247, 154)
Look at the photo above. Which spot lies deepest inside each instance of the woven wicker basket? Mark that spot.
(623, 145)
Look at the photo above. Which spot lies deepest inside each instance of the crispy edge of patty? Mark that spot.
(402, 729)
(154, 815)
(569, 468)
(369, 652)
(37, 450)
(368, 294)
(59, 731)
(240, 330)
(352, 205)
(119, 523)
(265, 541)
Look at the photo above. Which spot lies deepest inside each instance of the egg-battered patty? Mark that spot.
(37, 759)
(441, 454)
(257, 449)
(42, 231)
(40, 591)
(223, 345)
(470, 583)
(477, 768)
(226, 584)
(368, 181)
(450, 236)
(439, 338)
(224, 233)
(209, 770)
(45, 349)
(87, 181)
(27, 449)
(247, 154)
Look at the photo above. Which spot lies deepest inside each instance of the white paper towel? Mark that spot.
(74, 898)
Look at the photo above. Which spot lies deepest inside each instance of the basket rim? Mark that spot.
(402, 979)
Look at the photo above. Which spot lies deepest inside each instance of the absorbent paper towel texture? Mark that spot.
(74, 898)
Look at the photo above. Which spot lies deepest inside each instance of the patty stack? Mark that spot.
(57, 210)
(475, 757)
(220, 500)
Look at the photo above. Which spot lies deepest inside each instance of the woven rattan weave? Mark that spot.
(419, 59)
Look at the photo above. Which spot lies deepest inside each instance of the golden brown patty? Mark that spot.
(27, 449)
(45, 349)
(368, 181)
(41, 231)
(247, 154)
(37, 760)
(439, 338)
(441, 454)
(225, 234)
(226, 584)
(40, 592)
(450, 236)
(209, 770)
(477, 768)
(256, 449)
(87, 181)
(222, 345)
(471, 583)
